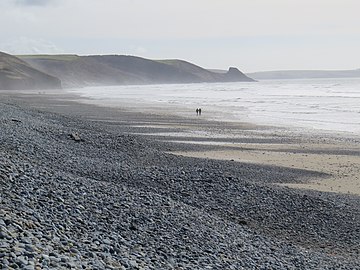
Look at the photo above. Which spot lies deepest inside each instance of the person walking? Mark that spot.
(197, 111)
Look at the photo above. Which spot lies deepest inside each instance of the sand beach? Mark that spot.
(160, 191)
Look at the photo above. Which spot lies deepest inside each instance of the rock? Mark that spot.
(3, 235)
(29, 248)
(133, 264)
(16, 120)
(75, 136)
(119, 202)
(21, 261)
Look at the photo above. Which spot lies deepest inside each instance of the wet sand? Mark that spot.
(63, 199)
(343, 170)
(337, 156)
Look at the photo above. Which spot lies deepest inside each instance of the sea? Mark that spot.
(327, 105)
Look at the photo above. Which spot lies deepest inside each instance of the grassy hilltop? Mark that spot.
(97, 70)
(69, 70)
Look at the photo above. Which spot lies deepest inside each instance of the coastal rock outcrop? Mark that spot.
(235, 75)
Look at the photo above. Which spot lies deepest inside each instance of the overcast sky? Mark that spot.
(253, 35)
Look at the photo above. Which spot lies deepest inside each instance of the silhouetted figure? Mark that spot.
(197, 111)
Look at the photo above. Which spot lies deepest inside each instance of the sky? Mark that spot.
(253, 35)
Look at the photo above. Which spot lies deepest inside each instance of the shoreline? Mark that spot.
(242, 106)
(118, 198)
(342, 169)
(308, 150)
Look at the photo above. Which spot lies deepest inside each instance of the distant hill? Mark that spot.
(17, 74)
(204, 75)
(97, 70)
(304, 74)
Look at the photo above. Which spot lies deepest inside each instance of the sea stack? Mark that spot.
(234, 75)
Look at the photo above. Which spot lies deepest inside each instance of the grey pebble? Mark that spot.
(118, 201)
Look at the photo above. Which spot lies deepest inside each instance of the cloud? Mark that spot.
(24, 45)
(33, 2)
(248, 32)
(141, 50)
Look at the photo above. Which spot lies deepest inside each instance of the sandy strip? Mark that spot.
(344, 170)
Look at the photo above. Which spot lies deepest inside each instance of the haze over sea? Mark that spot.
(331, 105)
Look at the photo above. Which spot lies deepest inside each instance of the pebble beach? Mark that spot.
(90, 187)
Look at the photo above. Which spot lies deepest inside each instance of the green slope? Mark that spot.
(80, 71)
(17, 74)
(205, 75)
(97, 70)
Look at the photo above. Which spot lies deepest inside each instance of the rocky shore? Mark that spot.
(80, 194)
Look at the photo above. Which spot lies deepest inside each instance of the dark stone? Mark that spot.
(16, 120)
(75, 136)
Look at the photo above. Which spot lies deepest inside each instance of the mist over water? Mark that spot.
(320, 104)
